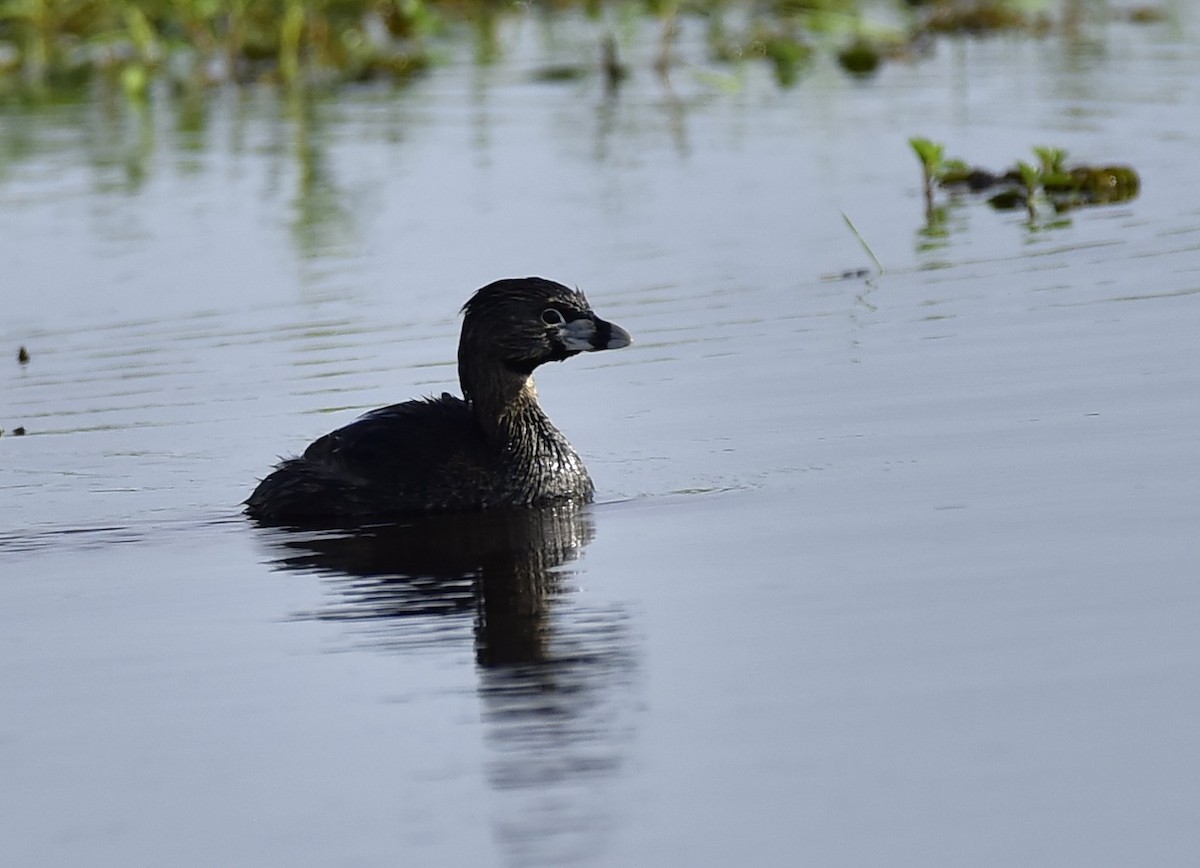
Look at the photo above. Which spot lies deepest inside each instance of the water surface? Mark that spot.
(886, 570)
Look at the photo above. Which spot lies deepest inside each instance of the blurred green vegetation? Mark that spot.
(48, 46)
(62, 43)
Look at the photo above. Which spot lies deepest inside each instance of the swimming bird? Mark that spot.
(495, 446)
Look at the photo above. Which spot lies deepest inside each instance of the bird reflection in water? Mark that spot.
(556, 675)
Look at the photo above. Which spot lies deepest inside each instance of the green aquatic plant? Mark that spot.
(1051, 159)
(934, 166)
(1049, 180)
(932, 156)
(929, 152)
(1054, 177)
(1031, 181)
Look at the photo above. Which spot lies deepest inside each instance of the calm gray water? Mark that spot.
(898, 571)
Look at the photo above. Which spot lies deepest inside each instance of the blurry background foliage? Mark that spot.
(49, 46)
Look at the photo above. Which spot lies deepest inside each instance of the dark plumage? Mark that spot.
(492, 447)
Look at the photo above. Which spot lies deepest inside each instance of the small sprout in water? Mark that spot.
(931, 154)
(1029, 175)
(1052, 159)
(23, 356)
(1031, 178)
(1055, 177)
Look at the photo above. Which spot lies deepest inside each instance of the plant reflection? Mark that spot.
(555, 674)
(322, 222)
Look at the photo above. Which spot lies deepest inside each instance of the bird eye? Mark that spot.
(551, 317)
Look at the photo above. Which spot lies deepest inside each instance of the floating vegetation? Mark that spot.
(560, 72)
(973, 17)
(860, 57)
(1147, 14)
(1047, 183)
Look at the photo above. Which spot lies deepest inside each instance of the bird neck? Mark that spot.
(539, 462)
(505, 405)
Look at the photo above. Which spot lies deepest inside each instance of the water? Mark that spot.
(897, 570)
